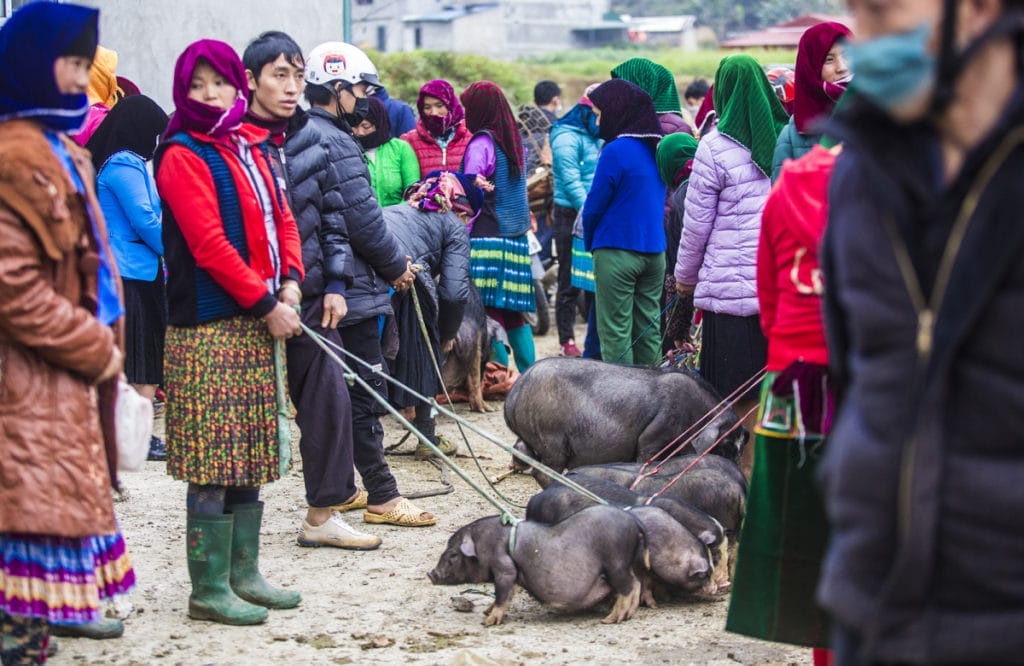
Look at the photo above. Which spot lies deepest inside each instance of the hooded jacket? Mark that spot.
(789, 284)
(438, 242)
(56, 456)
(721, 227)
(575, 152)
(377, 259)
(431, 156)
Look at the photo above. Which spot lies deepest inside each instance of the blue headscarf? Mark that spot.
(582, 117)
(30, 43)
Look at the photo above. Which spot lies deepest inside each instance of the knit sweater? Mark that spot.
(626, 204)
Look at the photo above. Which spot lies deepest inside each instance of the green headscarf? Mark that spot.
(748, 110)
(675, 152)
(655, 79)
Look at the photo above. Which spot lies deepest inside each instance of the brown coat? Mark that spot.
(54, 472)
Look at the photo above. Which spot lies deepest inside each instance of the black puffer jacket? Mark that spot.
(314, 194)
(439, 242)
(377, 257)
(923, 468)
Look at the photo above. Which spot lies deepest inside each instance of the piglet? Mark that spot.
(570, 566)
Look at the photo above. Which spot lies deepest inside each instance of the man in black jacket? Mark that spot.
(924, 292)
(338, 78)
(275, 69)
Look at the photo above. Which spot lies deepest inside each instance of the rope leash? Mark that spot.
(330, 347)
(418, 268)
(700, 424)
(700, 457)
(351, 376)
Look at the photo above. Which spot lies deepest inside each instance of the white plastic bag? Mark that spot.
(133, 417)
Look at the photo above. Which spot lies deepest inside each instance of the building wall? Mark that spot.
(148, 35)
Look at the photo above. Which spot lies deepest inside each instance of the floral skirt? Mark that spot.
(62, 579)
(500, 268)
(221, 403)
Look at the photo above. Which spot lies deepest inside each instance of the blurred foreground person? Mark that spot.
(923, 287)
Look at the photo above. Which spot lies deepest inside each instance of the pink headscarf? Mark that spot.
(195, 116)
(442, 90)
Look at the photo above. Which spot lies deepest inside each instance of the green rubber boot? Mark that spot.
(523, 350)
(246, 579)
(208, 544)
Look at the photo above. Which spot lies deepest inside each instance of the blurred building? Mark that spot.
(494, 28)
(783, 35)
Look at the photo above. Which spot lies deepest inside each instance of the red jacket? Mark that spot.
(186, 187)
(431, 156)
(789, 283)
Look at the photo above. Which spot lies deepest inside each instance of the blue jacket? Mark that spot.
(399, 113)
(131, 207)
(626, 204)
(574, 159)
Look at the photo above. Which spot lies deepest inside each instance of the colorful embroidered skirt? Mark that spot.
(62, 579)
(221, 403)
(582, 267)
(500, 268)
(783, 540)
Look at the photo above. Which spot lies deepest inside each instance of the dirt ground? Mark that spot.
(378, 607)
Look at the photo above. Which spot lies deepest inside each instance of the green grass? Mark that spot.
(404, 73)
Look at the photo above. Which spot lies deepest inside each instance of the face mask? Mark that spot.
(894, 69)
(359, 112)
(835, 90)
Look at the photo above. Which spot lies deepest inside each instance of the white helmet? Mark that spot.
(340, 61)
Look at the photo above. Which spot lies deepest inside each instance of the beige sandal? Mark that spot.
(360, 501)
(405, 514)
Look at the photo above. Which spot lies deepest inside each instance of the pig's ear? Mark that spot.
(467, 547)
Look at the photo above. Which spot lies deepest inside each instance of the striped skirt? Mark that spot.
(582, 267)
(62, 579)
(500, 268)
(221, 403)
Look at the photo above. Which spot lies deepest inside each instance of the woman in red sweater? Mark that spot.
(234, 266)
(785, 531)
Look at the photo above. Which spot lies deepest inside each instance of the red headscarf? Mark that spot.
(487, 109)
(815, 98)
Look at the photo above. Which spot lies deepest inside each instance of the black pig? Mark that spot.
(570, 566)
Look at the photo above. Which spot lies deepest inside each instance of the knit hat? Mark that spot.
(748, 110)
(656, 79)
(585, 98)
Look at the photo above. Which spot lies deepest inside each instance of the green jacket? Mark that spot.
(393, 167)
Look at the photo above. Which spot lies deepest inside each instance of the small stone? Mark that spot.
(462, 604)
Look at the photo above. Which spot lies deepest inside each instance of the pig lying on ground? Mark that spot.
(569, 412)
(570, 566)
(680, 563)
(557, 502)
(712, 486)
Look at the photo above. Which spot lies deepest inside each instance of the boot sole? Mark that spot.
(305, 543)
(198, 614)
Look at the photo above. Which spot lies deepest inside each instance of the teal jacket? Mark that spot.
(393, 167)
(574, 155)
(792, 145)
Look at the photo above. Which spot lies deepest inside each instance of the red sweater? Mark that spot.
(789, 283)
(431, 156)
(186, 187)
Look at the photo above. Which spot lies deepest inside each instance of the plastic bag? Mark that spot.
(133, 416)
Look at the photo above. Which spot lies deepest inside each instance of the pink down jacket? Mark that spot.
(721, 227)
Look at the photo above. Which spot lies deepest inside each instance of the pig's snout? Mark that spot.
(433, 576)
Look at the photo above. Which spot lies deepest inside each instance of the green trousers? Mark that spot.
(629, 286)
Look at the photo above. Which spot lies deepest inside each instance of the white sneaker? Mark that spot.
(337, 533)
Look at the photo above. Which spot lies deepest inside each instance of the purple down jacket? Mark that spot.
(721, 226)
